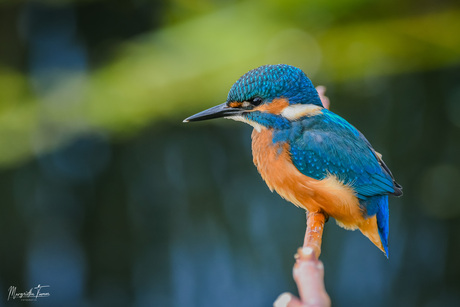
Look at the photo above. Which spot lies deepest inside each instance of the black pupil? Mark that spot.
(256, 101)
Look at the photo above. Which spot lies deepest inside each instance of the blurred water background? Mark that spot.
(108, 198)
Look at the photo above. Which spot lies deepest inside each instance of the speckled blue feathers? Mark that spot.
(327, 144)
(275, 81)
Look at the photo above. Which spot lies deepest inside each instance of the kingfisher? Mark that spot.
(309, 155)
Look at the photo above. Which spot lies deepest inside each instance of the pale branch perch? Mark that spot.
(321, 89)
(308, 270)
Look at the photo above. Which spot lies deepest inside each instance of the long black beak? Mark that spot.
(221, 110)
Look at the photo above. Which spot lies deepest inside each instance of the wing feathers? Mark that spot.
(327, 144)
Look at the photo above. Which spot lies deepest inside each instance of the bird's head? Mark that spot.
(268, 96)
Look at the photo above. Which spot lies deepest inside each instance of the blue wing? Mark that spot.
(327, 144)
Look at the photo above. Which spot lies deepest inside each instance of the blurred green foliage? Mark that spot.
(208, 45)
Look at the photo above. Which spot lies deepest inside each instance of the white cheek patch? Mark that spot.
(240, 118)
(297, 111)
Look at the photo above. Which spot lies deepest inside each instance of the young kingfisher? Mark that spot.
(309, 155)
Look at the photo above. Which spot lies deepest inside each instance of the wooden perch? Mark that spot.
(308, 270)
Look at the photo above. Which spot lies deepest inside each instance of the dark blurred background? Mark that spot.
(108, 198)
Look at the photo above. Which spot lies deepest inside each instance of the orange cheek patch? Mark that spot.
(235, 104)
(275, 107)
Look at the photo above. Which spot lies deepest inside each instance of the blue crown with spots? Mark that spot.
(275, 81)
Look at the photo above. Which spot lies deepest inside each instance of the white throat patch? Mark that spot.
(297, 111)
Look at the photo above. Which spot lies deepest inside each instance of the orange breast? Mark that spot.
(329, 195)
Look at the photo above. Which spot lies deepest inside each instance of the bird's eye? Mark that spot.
(256, 101)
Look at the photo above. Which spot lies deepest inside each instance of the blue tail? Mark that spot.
(378, 205)
(383, 220)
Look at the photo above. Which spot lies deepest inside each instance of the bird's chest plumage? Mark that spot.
(274, 163)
